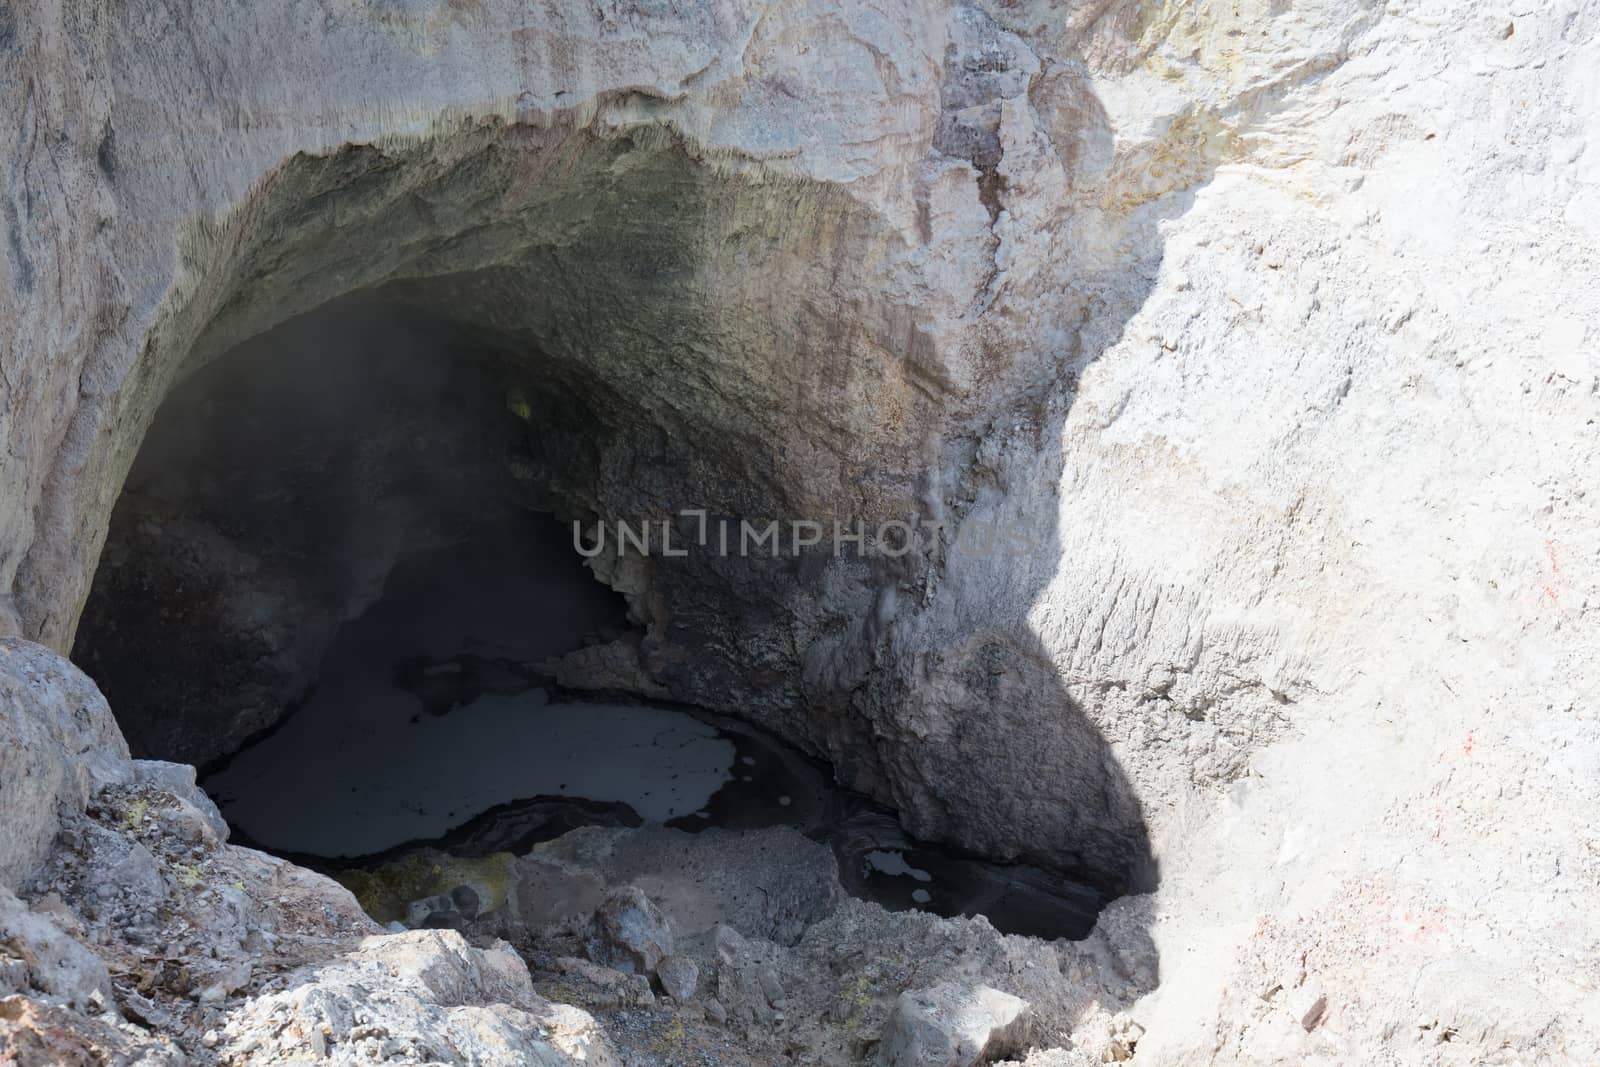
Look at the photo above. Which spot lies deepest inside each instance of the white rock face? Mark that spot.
(1271, 325)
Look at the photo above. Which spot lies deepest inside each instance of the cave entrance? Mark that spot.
(340, 580)
(335, 581)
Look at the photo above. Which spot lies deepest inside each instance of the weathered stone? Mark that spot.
(771, 885)
(33, 1032)
(602, 987)
(679, 977)
(629, 933)
(445, 1000)
(54, 728)
(178, 779)
(771, 986)
(42, 960)
(953, 1025)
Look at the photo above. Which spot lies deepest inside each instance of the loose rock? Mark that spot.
(953, 1026)
(629, 933)
(679, 977)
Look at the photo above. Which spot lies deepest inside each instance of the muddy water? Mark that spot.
(430, 724)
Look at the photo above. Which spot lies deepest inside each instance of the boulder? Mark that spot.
(55, 729)
(954, 1025)
(679, 977)
(629, 933)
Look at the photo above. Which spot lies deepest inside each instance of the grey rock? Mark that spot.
(119, 860)
(426, 990)
(178, 779)
(771, 986)
(317, 1042)
(605, 988)
(54, 725)
(629, 933)
(439, 909)
(954, 1025)
(39, 958)
(219, 982)
(679, 977)
(732, 947)
(771, 883)
(36, 1032)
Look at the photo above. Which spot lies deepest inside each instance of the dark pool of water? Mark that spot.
(431, 723)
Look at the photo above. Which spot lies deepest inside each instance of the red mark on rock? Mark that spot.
(1550, 575)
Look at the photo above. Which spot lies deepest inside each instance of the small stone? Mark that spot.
(715, 1011)
(1308, 1004)
(319, 1044)
(1125, 1035)
(187, 823)
(468, 901)
(679, 977)
(732, 948)
(13, 976)
(434, 911)
(771, 986)
(210, 1039)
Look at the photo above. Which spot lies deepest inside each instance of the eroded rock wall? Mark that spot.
(1269, 320)
(755, 329)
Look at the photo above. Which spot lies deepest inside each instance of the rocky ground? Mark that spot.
(143, 937)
